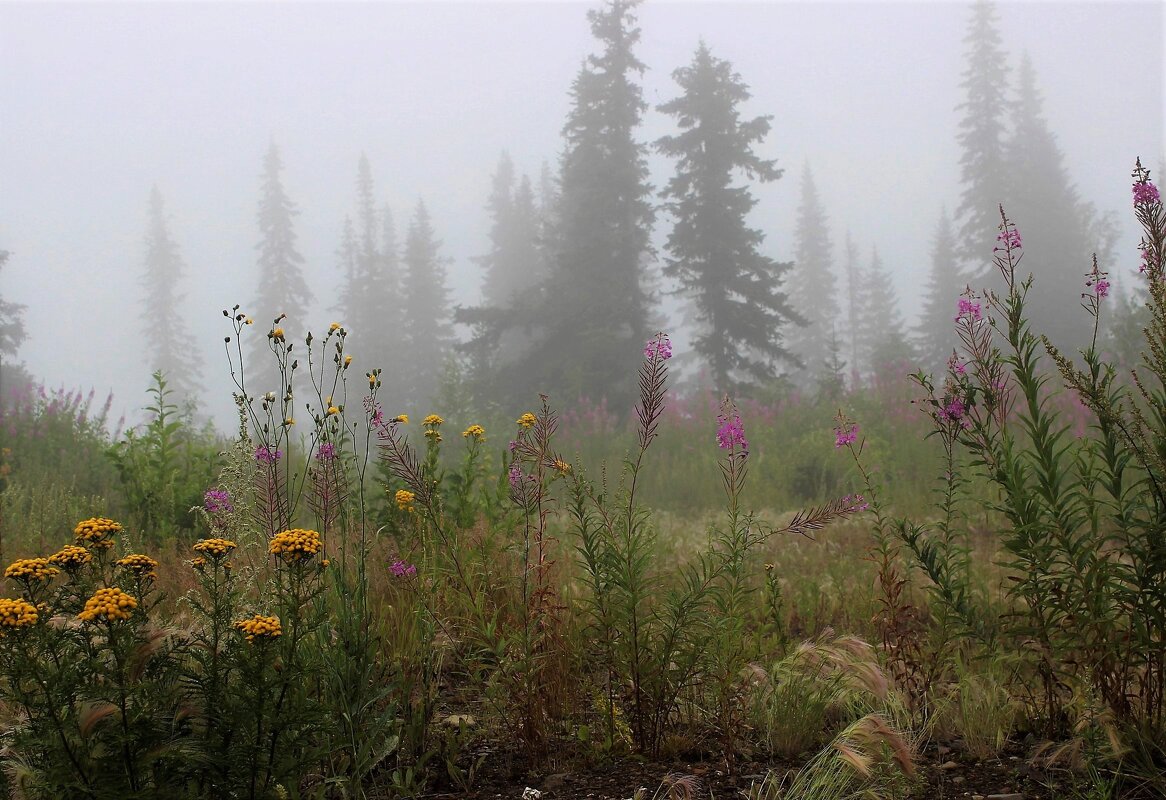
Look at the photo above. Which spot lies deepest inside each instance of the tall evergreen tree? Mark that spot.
(813, 288)
(713, 254)
(583, 327)
(853, 273)
(427, 317)
(372, 288)
(935, 331)
(12, 333)
(881, 334)
(594, 307)
(514, 261)
(281, 289)
(169, 346)
(1059, 232)
(983, 166)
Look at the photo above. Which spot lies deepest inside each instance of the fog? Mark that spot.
(101, 102)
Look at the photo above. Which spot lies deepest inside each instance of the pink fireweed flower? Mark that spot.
(1101, 288)
(265, 455)
(1145, 192)
(954, 410)
(217, 501)
(853, 504)
(955, 366)
(1009, 240)
(327, 452)
(844, 436)
(515, 476)
(400, 569)
(658, 348)
(731, 432)
(969, 311)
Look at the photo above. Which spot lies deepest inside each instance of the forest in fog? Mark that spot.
(670, 198)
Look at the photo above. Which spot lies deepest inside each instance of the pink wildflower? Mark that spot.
(969, 311)
(658, 348)
(1145, 192)
(265, 455)
(845, 436)
(731, 433)
(1009, 238)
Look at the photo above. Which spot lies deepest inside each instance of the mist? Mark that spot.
(101, 103)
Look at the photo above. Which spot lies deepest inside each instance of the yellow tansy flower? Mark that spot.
(296, 544)
(71, 557)
(527, 420)
(110, 604)
(259, 627)
(31, 569)
(97, 531)
(215, 548)
(16, 614)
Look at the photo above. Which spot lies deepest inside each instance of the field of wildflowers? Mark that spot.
(339, 602)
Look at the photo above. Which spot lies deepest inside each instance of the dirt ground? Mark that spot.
(944, 775)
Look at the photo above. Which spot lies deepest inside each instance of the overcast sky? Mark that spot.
(98, 102)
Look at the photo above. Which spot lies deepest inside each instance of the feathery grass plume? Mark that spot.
(868, 759)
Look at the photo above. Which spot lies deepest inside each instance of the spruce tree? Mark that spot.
(427, 316)
(713, 254)
(12, 333)
(169, 346)
(282, 289)
(514, 262)
(813, 288)
(372, 313)
(853, 273)
(882, 339)
(983, 166)
(935, 331)
(592, 311)
(1058, 231)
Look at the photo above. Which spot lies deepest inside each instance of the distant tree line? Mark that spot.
(571, 281)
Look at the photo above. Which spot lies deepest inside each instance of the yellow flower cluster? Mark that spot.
(259, 626)
(405, 500)
(277, 334)
(562, 467)
(216, 548)
(112, 604)
(432, 419)
(198, 563)
(433, 434)
(31, 569)
(402, 418)
(98, 532)
(296, 544)
(476, 431)
(139, 565)
(16, 613)
(335, 326)
(527, 420)
(71, 557)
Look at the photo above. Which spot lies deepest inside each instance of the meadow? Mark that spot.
(934, 586)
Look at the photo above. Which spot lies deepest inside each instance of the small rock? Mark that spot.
(958, 779)
(977, 797)
(1009, 796)
(949, 765)
(942, 750)
(456, 720)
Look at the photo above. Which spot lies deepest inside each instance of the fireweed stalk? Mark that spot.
(655, 636)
